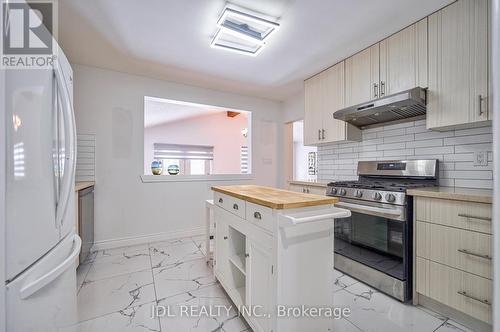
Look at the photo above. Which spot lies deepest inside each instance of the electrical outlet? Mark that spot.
(481, 158)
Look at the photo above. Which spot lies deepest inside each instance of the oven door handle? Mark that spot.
(369, 209)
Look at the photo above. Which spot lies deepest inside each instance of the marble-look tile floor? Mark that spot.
(118, 288)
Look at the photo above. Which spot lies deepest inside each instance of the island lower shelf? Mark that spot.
(267, 257)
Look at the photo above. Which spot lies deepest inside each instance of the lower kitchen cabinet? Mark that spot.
(307, 189)
(259, 269)
(453, 257)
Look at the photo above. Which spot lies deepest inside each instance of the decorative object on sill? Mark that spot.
(156, 167)
(244, 132)
(173, 169)
(312, 167)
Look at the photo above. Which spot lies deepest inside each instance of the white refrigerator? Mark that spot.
(41, 246)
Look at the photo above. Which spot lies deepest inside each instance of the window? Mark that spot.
(184, 159)
(195, 140)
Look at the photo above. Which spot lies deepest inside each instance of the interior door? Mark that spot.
(362, 81)
(30, 170)
(403, 59)
(259, 278)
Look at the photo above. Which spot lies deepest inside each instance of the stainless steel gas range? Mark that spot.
(374, 245)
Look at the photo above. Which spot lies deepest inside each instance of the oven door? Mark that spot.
(375, 235)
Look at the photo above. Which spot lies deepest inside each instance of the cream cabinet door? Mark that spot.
(458, 64)
(362, 81)
(221, 244)
(259, 279)
(313, 114)
(334, 99)
(403, 59)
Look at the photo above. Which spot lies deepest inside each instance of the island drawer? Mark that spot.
(229, 203)
(457, 289)
(260, 216)
(466, 215)
(458, 248)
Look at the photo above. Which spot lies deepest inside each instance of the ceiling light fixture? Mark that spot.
(241, 32)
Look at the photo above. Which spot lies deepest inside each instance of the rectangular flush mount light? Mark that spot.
(241, 32)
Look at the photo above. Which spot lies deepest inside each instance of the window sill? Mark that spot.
(196, 178)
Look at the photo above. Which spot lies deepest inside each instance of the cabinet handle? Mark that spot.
(303, 190)
(221, 200)
(257, 215)
(307, 190)
(322, 134)
(375, 90)
(463, 293)
(382, 89)
(225, 237)
(319, 134)
(480, 99)
(468, 216)
(467, 252)
(247, 255)
(235, 206)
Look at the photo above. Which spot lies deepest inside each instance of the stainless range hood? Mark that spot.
(402, 105)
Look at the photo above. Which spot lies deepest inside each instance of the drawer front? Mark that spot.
(232, 204)
(460, 290)
(260, 216)
(466, 215)
(458, 248)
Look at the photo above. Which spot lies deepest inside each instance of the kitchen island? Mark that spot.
(274, 255)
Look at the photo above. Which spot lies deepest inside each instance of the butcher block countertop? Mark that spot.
(274, 198)
(458, 194)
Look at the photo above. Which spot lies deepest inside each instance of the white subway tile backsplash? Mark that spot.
(486, 138)
(435, 150)
(425, 143)
(454, 149)
(394, 132)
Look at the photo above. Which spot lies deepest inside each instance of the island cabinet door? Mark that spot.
(221, 245)
(259, 278)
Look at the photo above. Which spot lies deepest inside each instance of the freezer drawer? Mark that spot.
(43, 298)
(86, 220)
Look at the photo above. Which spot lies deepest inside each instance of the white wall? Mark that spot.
(110, 105)
(217, 130)
(293, 108)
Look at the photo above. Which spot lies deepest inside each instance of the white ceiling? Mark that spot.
(160, 111)
(169, 39)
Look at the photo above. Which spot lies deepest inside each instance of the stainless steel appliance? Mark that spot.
(398, 106)
(86, 220)
(374, 245)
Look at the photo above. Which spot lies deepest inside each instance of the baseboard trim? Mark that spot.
(135, 240)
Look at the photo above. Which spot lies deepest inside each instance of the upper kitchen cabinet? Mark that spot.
(403, 60)
(362, 76)
(458, 65)
(324, 94)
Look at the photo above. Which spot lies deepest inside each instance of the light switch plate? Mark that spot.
(481, 158)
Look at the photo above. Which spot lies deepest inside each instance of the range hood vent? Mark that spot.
(399, 106)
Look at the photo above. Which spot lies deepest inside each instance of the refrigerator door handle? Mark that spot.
(47, 278)
(70, 145)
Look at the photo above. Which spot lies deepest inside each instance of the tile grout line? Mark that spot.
(154, 282)
(442, 324)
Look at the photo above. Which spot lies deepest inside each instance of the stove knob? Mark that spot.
(390, 198)
(377, 196)
(333, 191)
(342, 192)
(358, 193)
